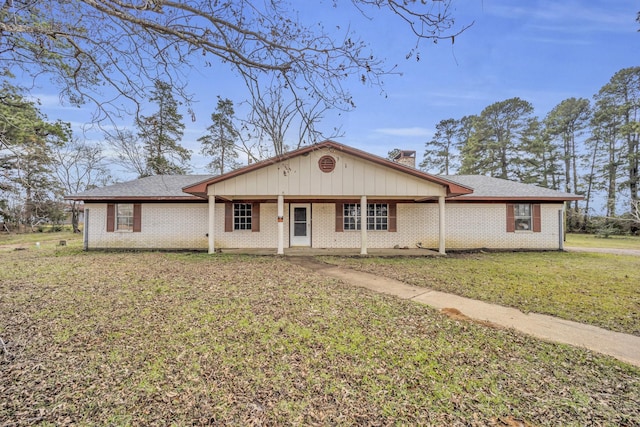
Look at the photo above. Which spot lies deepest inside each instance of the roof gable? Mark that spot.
(356, 172)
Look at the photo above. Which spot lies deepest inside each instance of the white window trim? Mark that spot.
(249, 217)
(117, 215)
(521, 217)
(358, 217)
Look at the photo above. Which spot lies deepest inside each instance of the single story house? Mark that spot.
(326, 195)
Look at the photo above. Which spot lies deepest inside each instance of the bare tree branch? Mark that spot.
(110, 51)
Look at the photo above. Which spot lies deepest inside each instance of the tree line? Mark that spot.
(586, 147)
(590, 148)
(42, 161)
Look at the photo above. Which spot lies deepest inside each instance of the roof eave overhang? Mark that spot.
(134, 198)
(514, 198)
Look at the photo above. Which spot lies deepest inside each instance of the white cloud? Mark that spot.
(412, 131)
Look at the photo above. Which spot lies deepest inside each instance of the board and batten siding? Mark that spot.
(301, 176)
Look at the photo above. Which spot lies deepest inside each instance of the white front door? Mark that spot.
(300, 233)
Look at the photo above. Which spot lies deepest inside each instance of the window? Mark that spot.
(124, 217)
(242, 216)
(351, 216)
(522, 216)
(377, 216)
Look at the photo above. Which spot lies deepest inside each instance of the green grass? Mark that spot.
(30, 239)
(151, 338)
(594, 288)
(611, 242)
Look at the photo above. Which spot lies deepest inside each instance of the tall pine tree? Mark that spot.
(161, 133)
(220, 142)
(440, 155)
(493, 139)
(620, 98)
(27, 185)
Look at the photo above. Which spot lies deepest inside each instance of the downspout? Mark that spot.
(85, 234)
(441, 226)
(561, 229)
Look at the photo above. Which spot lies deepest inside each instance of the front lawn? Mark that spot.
(10, 240)
(191, 339)
(599, 289)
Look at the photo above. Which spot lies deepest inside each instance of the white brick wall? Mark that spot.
(267, 237)
(185, 225)
(164, 226)
(475, 225)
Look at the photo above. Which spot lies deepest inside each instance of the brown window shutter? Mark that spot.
(511, 220)
(111, 217)
(255, 217)
(137, 217)
(228, 217)
(339, 217)
(392, 225)
(537, 220)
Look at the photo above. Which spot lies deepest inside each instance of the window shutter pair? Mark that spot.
(111, 217)
(392, 223)
(228, 217)
(537, 218)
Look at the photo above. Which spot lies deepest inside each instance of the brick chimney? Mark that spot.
(406, 157)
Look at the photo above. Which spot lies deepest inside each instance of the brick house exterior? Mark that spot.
(312, 197)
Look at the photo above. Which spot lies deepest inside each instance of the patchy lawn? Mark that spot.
(599, 289)
(611, 242)
(9, 241)
(191, 339)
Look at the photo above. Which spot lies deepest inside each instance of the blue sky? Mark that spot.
(541, 51)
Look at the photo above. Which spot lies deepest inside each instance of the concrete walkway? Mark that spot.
(621, 346)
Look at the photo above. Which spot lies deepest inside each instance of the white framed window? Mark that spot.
(522, 216)
(242, 216)
(377, 216)
(124, 217)
(351, 215)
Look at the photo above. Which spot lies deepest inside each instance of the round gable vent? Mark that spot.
(327, 164)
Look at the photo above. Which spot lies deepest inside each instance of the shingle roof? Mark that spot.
(169, 187)
(157, 187)
(489, 188)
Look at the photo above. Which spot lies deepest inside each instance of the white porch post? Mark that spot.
(363, 225)
(441, 221)
(280, 224)
(212, 223)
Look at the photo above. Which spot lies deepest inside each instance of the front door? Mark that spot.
(300, 227)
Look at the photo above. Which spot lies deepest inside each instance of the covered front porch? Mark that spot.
(289, 223)
(326, 195)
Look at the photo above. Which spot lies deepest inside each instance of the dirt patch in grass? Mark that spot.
(598, 289)
(190, 339)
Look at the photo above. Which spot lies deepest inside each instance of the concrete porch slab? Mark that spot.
(304, 251)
